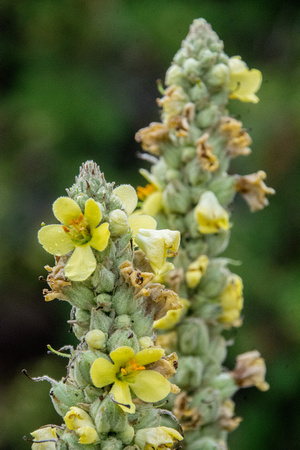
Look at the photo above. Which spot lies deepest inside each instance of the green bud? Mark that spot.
(100, 320)
(80, 295)
(217, 243)
(96, 339)
(191, 68)
(82, 324)
(108, 416)
(193, 337)
(175, 75)
(123, 302)
(145, 417)
(225, 383)
(71, 440)
(122, 321)
(91, 393)
(214, 280)
(199, 95)
(104, 302)
(208, 401)
(208, 117)
(103, 280)
(172, 156)
(176, 197)
(81, 366)
(188, 154)
(224, 189)
(189, 372)
(205, 443)
(127, 435)
(141, 323)
(218, 348)
(207, 58)
(118, 223)
(65, 394)
(218, 76)
(121, 338)
(112, 443)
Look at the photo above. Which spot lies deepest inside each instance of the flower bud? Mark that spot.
(44, 434)
(208, 116)
(207, 58)
(160, 437)
(145, 342)
(232, 301)
(176, 198)
(118, 222)
(82, 323)
(218, 76)
(208, 402)
(103, 280)
(112, 443)
(122, 321)
(225, 383)
(123, 338)
(127, 435)
(96, 339)
(100, 320)
(210, 215)
(64, 394)
(193, 337)
(79, 420)
(189, 372)
(108, 416)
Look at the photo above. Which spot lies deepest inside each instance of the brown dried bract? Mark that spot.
(151, 137)
(160, 300)
(250, 370)
(135, 277)
(190, 418)
(167, 365)
(238, 140)
(254, 190)
(227, 420)
(207, 159)
(57, 280)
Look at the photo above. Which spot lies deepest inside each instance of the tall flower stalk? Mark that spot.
(116, 372)
(190, 189)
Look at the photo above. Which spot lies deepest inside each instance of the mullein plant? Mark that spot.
(116, 372)
(191, 190)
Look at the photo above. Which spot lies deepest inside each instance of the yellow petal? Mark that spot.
(65, 209)
(141, 221)
(121, 356)
(103, 372)
(76, 418)
(153, 204)
(81, 264)
(88, 435)
(244, 83)
(55, 240)
(148, 356)
(100, 237)
(92, 213)
(150, 178)
(150, 386)
(128, 197)
(121, 393)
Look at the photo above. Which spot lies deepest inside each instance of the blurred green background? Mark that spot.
(78, 79)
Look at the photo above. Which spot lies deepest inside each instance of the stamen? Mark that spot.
(66, 229)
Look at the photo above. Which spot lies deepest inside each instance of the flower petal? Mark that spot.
(121, 356)
(141, 221)
(65, 209)
(103, 372)
(92, 213)
(150, 386)
(149, 356)
(121, 393)
(55, 240)
(150, 178)
(128, 197)
(81, 264)
(100, 237)
(153, 204)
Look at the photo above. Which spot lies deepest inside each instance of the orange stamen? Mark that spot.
(66, 229)
(144, 192)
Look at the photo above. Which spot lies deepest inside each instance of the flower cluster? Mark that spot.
(191, 189)
(106, 257)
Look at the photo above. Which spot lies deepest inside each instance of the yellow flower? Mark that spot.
(152, 195)
(79, 232)
(232, 301)
(172, 317)
(129, 199)
(157, 438)
(128, 371)
(196, 270)
(243, 83)
(78, 420)
(44, 434)
(158, 245)
(210, 215)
